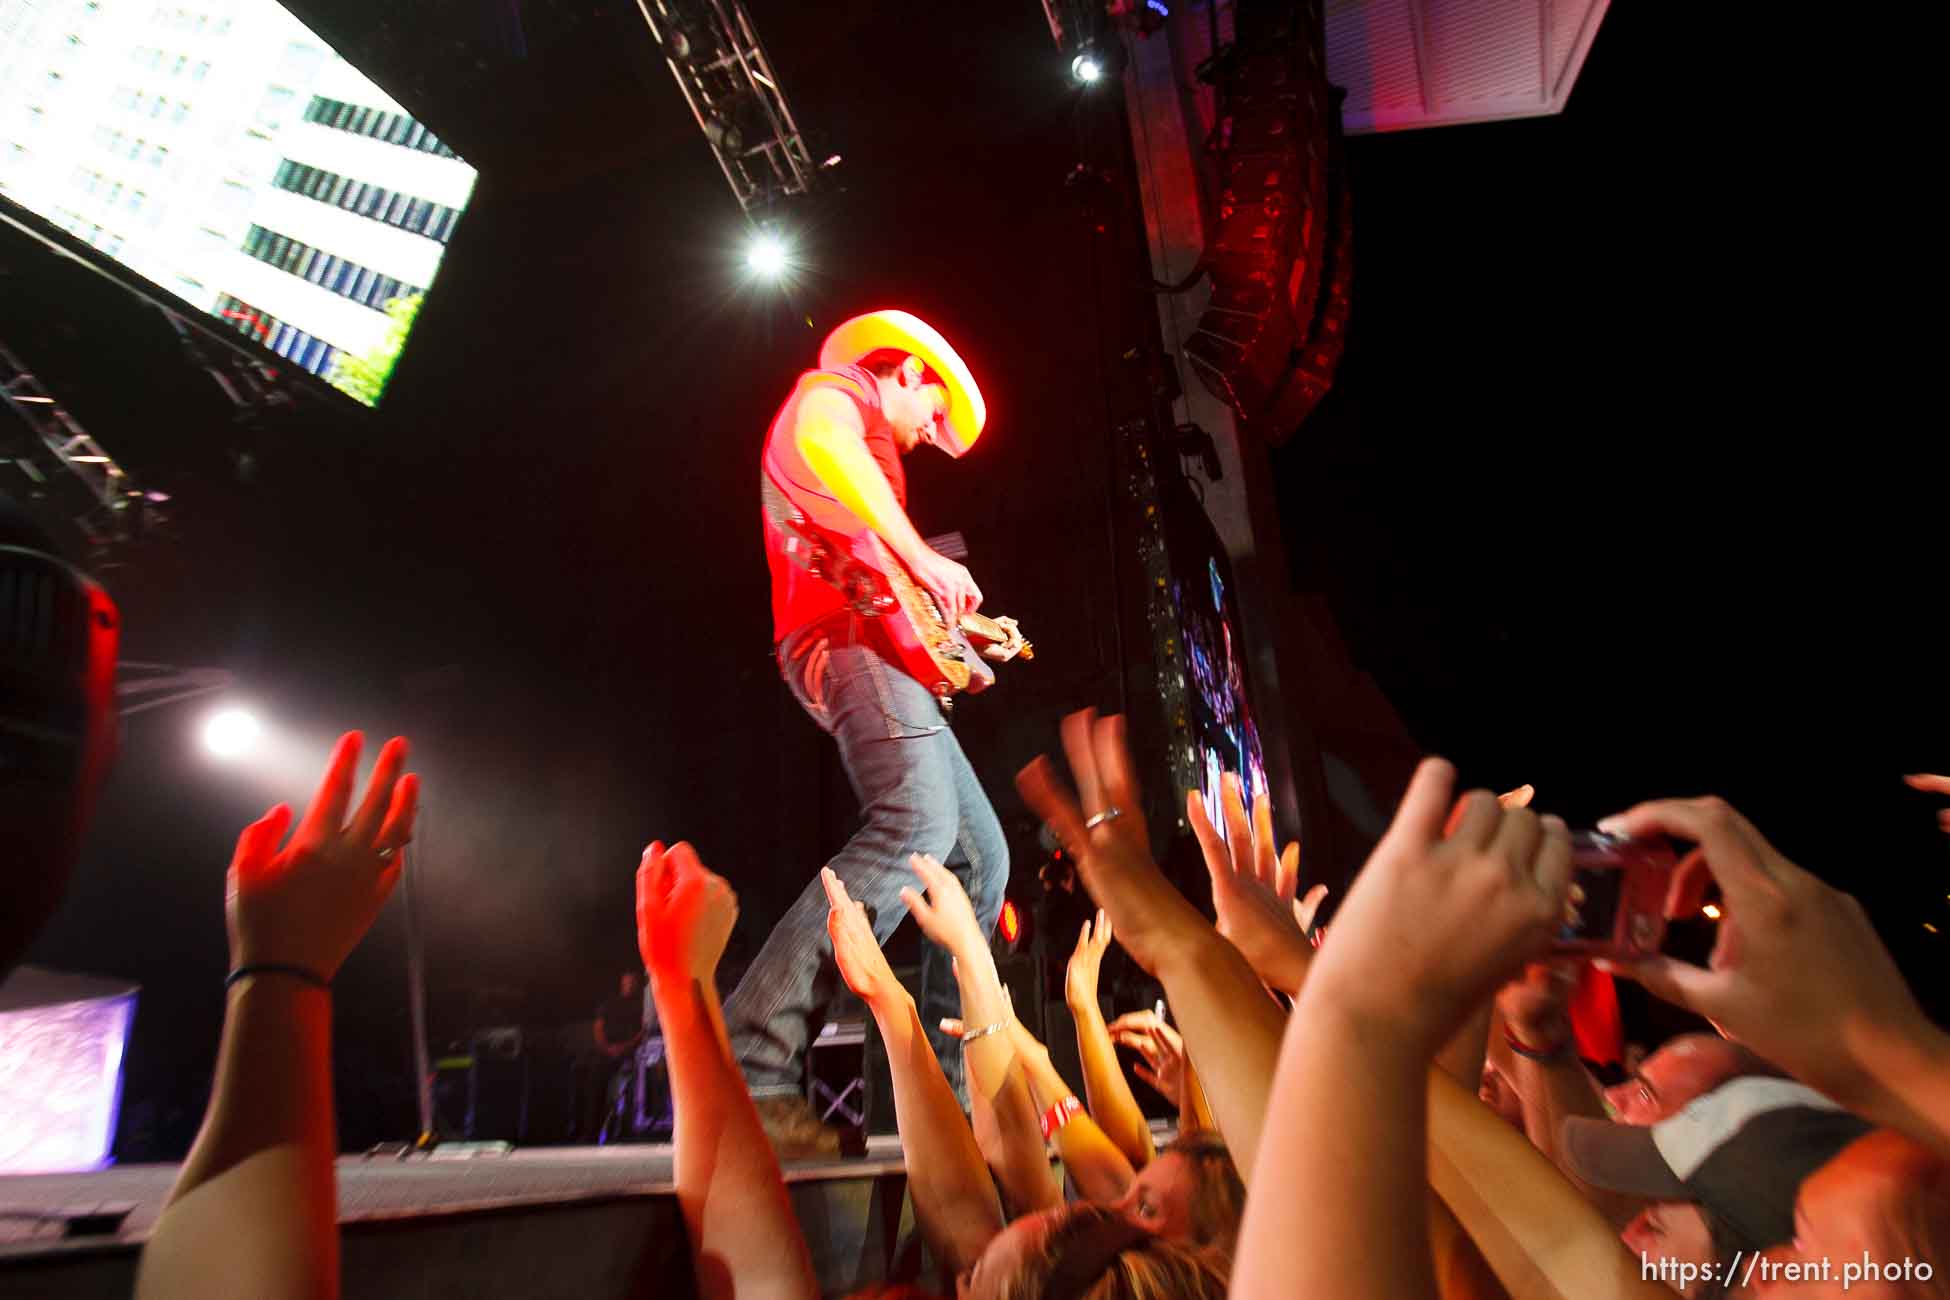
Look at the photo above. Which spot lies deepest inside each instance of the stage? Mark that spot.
(584, 1222)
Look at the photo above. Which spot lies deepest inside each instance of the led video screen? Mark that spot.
(228, 155)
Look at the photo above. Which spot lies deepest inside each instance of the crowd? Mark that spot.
(1397, 1110)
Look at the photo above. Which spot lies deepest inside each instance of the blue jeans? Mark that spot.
(917, 794)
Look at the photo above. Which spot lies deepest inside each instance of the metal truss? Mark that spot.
(64, 463)
(721, 68)
(251, 386)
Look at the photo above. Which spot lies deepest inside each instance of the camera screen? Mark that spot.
(1592, 912)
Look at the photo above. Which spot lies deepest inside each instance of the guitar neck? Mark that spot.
(981, 625)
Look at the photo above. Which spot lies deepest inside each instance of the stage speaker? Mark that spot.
(1268, 249)
(1021, 974)
(497, 1098)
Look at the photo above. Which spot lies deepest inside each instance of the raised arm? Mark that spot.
(1232, 1028)
(255, 1209)
(1108, 1092)
(1380, 1001)
(745, 1239)
(831, 438)
(1001, 1109)
(954, 1200)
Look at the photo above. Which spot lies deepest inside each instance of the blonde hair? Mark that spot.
(1092, 1253)
(1218, 1195)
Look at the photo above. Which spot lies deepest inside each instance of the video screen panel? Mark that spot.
(228, 155)
(1223, 732)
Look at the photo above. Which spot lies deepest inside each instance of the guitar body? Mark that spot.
(928, 649)
(946, 658)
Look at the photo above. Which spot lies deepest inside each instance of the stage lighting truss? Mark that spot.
(721, 68)
(64, 464)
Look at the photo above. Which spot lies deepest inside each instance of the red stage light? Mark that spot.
(1011, 922)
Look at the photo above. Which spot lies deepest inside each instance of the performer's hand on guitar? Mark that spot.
(1003, 651)
(950, 582)
(309, 903)
(862, 965)
(684, 914)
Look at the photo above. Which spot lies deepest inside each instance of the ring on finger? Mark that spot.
(1110, 814)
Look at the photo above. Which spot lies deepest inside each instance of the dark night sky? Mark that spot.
(1597, 500)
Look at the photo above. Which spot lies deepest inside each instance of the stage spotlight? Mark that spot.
(767, 255)
(1010, 923)
(1087, 68)
(230, 734)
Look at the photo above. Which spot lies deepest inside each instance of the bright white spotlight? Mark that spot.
(1087, 68)
(766, 256)
(230, 734)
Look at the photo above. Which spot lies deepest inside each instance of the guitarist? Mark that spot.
(887, 383)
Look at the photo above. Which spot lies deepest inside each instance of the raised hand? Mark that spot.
(1434, 922)
(309, 903)
(1253, 887)
(862, 965)
(684, 914)
(1796, 973)
(1161, 1046)
(1306, 906)
(1112, 857)
(1536, 1005)
(1080, 978)
(945, 915)
(1933, 785)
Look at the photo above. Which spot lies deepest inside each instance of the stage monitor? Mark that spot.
(225, 153)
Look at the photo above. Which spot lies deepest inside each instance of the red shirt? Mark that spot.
(798, 597)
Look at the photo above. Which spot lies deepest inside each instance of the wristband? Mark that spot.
(1060, 1114)
(1559, 1053)
(973, 1034)
(299, 973)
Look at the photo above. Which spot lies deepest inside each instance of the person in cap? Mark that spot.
(887, 384)
(1871, 1224)
(1722, 1175)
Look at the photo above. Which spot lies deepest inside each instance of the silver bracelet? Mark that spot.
(983, 1032)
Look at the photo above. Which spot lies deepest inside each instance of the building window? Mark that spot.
(361, 284)
(393, 128)
(394, 207)
(307, 350)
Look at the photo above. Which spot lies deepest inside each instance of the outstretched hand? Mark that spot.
(1797, 973)
(309, 903)
(1086, 962)
(1112, 857)
(862, 964)
(944, 914)
(1435, 922)
(684, 914)
(1253, 887)
(1161, 1046)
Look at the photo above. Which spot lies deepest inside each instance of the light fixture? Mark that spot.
(230, 733)
(1710, 911)
(1087, 68)
(767, 255)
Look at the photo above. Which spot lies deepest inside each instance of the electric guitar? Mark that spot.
(945, 658)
